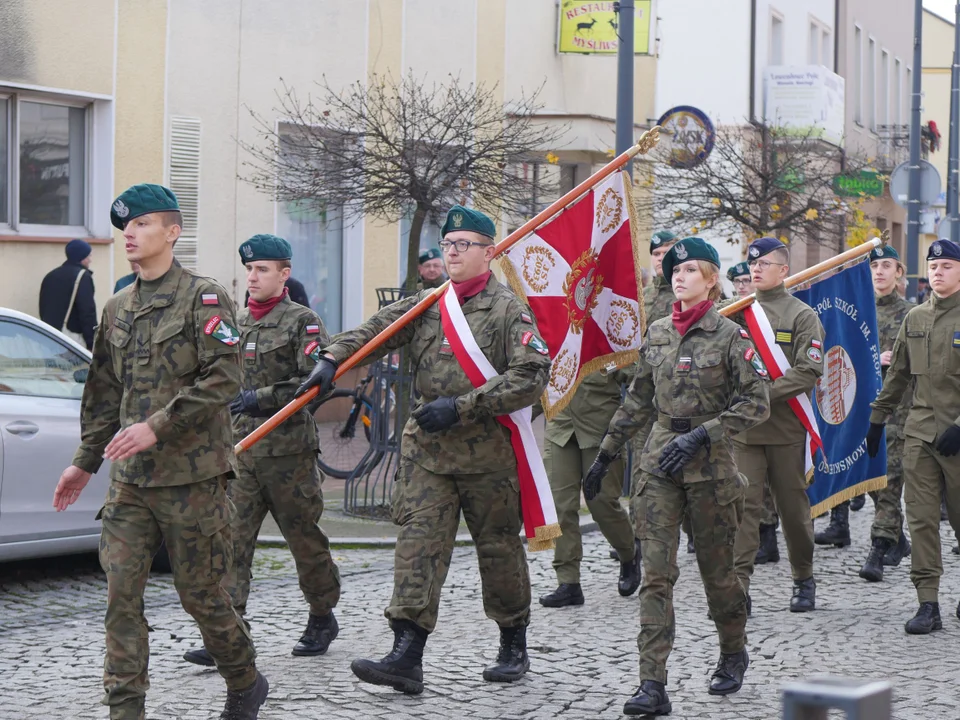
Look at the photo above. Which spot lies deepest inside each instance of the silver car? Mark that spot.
(42, 373)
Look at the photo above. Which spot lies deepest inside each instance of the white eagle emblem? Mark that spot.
(120, 209)
(681, 252)
(937, 250)
(754, 252)
(583, 289)
(248, 251)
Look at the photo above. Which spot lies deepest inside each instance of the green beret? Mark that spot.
(691, 248)
(140, 200)
(884, 252)
(661, 238)
(461, 218)
(431, 254)
(265, 247)
(741, 269)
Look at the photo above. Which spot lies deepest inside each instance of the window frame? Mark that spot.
(858, 75)
(872, 83)
(776, 17)
(884, 86)
(898, 89)
(13, 225)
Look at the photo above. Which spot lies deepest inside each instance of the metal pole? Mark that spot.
(953, 187)
(624, 139)
(913, 201)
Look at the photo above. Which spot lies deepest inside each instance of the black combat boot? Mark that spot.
(630, 573)
(321, 631)
(245, 704)
(872, 569)
(512, 661)
(926, 620)
(565, 595)
(804, 595)
(650, 699)
(768, 550)
(858, 502)
(402, 668)
(838, 531)
(200, 656)
(728, 677)
(898, 552)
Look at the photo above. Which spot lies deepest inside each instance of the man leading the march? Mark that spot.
(455, 454)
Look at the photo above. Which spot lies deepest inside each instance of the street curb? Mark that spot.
(587, 525)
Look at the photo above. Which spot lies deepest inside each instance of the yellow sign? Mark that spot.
(591, 27)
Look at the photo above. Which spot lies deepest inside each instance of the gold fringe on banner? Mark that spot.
(872, 485)
(544, 537)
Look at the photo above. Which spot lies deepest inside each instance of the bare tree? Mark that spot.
(389, 149)
(758, 181)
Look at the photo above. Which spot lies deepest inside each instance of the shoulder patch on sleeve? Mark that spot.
(210, 298)
(784, 337)
(312, 350)
(526, 318)
(313, 329)
(751, 356)
(220, 330)
(744, 334)
(956, 340)
(814, 354)
(535, 343)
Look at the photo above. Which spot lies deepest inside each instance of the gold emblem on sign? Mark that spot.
(581, 287)
(609, 210)
(537, 263)
(563, 371)
(623, 325)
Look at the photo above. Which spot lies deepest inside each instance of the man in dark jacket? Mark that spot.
(66, 295)
(297, 293)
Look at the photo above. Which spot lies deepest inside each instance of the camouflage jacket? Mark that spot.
(711, 376)
(891, 311)
(799, 334)
(171, 363)
(658, 299)
(589, 411)
(277, 352)
(507, 333)
(927, 351)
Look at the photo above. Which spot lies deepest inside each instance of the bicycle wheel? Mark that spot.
(344, 443)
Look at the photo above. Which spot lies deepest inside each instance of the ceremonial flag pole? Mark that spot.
(810, 274)
(643, 146)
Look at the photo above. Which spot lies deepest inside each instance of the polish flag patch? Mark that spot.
(210, 299)
(313, 329)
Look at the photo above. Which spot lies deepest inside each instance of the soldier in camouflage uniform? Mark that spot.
(431, 270)
(739, 277)
(775, 449)
(572, 439)
(279, 341)
(456, 456)
(164, 370)
(926, 354)
(700, 383)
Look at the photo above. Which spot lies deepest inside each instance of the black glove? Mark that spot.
(594, 477)
(437, 415)
(874, 436)
(681, 450)
(246, 403)
(948, 444)
(320, 377)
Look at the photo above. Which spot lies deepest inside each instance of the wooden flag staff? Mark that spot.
(643, 146)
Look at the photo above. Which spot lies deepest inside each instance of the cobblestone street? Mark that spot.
(583, 659)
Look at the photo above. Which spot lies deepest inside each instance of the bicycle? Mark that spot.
(342, 449)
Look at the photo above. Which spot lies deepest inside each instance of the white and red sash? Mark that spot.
(536, 498)
(777, 364)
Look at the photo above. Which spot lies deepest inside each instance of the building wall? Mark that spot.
(117, 74)
(937, 52)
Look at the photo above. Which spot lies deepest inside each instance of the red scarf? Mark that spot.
(683, 320)
(259, 309)
(468, 288)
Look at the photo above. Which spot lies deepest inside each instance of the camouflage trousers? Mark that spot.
(566, 467)
(782, 466)
(768, 514)
(715, 508)
(288, 487)
(427, 508)
(888, 515)
(927, 474)
(194, 521)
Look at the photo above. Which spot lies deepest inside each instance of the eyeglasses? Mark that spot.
(762, 264)
(461, 245)
(742, 282)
